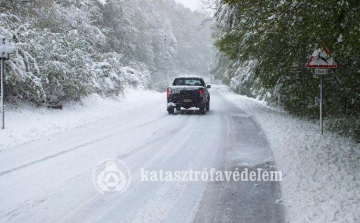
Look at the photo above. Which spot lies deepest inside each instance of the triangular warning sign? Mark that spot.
(320, 59)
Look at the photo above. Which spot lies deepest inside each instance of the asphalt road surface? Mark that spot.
(52, 179)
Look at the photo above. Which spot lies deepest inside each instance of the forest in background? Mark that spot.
(263, 47)
(67, 49)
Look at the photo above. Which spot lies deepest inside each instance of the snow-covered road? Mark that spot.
(50, 180)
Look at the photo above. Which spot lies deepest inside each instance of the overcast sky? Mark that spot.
(192, 4)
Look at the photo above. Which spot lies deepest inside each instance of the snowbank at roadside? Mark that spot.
(25, 123)
(321, 174)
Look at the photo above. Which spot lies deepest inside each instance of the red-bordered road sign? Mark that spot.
(320, 59)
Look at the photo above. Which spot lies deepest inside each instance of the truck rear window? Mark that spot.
(189, 82)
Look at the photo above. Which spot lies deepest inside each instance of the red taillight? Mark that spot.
(201, 91)
(168, 92)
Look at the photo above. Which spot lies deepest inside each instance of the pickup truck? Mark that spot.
(187, 92)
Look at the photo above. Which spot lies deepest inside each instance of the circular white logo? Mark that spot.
(111, 176)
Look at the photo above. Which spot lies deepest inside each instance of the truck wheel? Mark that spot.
(203, 110)
(208, 106)
(171, 110)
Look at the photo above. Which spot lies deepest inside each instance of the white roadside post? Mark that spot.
(321, 61)
(5, 50)
(2, 95)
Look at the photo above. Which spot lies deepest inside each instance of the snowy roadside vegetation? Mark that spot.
(66, 50)
(264, 46)
(26, 123)
(321, 174)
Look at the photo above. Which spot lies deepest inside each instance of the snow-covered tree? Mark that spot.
(281, 35)
(68, 49)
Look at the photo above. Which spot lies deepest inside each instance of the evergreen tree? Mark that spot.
(281, 35)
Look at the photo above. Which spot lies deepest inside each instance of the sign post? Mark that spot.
(5, 50)
(321, 61)
(321, 106)
(2, 95)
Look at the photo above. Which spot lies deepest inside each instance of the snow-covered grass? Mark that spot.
(321, 173)
(25, 123)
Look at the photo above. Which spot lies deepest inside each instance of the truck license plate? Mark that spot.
(187, 100)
